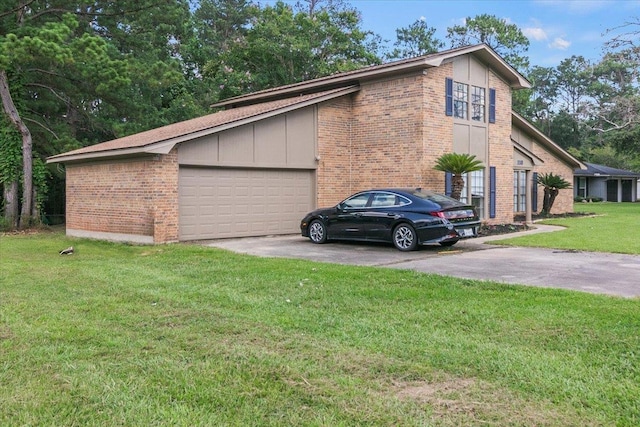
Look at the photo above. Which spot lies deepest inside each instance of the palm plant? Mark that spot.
(457, 164)
(552, 184)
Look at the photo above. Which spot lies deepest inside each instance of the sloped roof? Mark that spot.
(546, 142)
(605, 171)
(481, 51)
(162, 140)
(267, 103)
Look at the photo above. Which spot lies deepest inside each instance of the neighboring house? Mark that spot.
(256, 167)
(605, 183)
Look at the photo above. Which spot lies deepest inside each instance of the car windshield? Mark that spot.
(440, 199)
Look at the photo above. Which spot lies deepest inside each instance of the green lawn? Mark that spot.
(182, 335)
(615, 227)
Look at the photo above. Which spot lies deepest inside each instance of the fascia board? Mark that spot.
(164, 147)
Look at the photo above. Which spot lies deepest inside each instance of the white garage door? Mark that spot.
(219, 203)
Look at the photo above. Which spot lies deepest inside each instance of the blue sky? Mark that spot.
(557, 29)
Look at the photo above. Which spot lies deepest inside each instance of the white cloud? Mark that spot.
(560, 44)
(535, 33)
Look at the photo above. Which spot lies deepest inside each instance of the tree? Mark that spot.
(283, 46)
(506, 39)
(552, 185)
(458, 165)
(415, 40)
(73, 73)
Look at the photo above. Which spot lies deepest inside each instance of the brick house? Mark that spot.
(263, 161)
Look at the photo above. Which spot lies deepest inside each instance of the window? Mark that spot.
(474, 190)
(383, 200)
(357, 201)
(582, 186)
(457, 101)
(519, 191)
(477, 103)
(460, 100)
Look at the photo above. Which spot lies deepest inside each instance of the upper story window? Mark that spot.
(477, 103)
(457, 102)
(460, 100)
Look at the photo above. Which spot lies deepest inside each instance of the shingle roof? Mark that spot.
(545, 141)
(483, 51)
(151, 140)
(258, 105)
(604, 171)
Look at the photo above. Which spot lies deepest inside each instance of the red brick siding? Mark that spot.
(437, 126)
(334, 173)
(564, 201)
(138, 197)
(391, 133)
(501, 151)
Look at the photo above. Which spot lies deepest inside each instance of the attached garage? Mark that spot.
(246, 171)
(222, 202)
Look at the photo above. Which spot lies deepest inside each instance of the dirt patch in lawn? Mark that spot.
(470, 401)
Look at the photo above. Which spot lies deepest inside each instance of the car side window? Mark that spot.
(356, 202)
(402, 201)
(384, 200)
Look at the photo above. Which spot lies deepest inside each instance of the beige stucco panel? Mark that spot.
(285, 141)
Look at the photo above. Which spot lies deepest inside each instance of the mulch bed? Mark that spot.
(519, 224)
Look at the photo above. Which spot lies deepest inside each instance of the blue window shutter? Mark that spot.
(534, 193)
(447, 183)
(449, 97)
(492, 192)
(492, 105)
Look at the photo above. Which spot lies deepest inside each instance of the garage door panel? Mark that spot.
(218, 203)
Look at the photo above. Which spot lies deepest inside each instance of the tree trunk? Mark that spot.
(27, 152)
(457, 184)
(549, 198)
(11, 202)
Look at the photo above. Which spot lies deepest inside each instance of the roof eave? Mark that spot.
(321, 83)
(165, 146)
(515, 79)
(549, 144)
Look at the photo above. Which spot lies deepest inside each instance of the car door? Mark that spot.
(348, 220)
(385, 209)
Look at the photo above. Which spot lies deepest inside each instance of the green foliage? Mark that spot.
(415, 40)
(505, 38)
(457, 164)
(553, 181)
(10, 152)
(283, 46)
(552, 184)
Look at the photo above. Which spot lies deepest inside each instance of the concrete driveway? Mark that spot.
(601, 273)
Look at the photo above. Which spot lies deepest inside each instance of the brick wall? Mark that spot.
(391, 132)
(437, 126)
(136, 197)
(501, 152)
(564, 201)
(334, 174)
(387, 134)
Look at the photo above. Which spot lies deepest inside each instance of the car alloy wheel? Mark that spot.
(317, 232)
(404, 237)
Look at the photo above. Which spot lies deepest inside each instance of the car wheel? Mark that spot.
(405, 238)
(317, 232)
(449, 243)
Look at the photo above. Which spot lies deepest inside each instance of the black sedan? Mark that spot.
(406, 217)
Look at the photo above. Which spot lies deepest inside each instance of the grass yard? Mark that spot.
(182, 335)
(615, 228)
